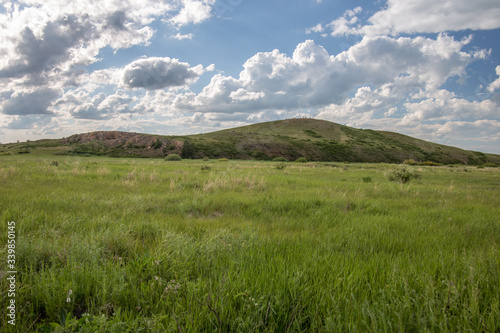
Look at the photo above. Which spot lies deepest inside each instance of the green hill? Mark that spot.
(316, 140)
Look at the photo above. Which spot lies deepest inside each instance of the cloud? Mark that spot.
(30, 103)
(345, 25)
(243, 95)
(429, 16)
(117, 20)
(89, 111)
(444, 105)
(55, 36)
(158, 73)
(100, 106)
(49, 42)
(495, 85)
(312, 78)
(36, 54)
(318, 28)
(420, 16)
(193, 12)
(179, 36)
(484, 129)
(29, 122)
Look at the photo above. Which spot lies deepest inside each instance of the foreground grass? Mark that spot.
(124, 245)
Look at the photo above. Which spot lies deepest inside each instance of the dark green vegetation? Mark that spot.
(315, 140)
(145, 245)
(173, 157)
(402, 176)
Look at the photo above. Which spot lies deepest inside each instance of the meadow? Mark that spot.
(147, 245)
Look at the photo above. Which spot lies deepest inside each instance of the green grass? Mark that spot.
(148, 245)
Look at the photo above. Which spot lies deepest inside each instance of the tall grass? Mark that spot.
(147, 245)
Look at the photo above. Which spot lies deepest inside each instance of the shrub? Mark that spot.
(188, 149)
(426, 163)
(301, 160)
(430, 163)
(173, 157)
(311, 133)
(223, 160)
(205, 167)
(490, 165)
(280, 166)
(157, 144)
(206, 158)
(402, 176)
(280, 159)
(410, 162)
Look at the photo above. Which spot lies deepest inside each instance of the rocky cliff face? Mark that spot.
(112, 139)
(125, 144)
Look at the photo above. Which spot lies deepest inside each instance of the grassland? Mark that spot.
(145, 245)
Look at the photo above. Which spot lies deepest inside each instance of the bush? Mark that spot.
(206, 158)
(490, 165)
(223, 160)
(188, 149)
(301, 160)
(157, 144)
(426, 163)
(280, 166)
(280, 159)
(410, 162)
(402, 176)
(173, 157)
(430, 163)
(205, 167)
(311, 133)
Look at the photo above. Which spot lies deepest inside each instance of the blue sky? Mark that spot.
(423, 68)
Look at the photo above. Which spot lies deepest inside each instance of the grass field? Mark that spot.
(145, 245)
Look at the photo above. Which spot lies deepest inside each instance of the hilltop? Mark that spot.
(316, 140)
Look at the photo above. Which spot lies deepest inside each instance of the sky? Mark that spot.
(425, 68)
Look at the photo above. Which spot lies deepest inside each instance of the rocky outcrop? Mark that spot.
(125, 143)
(111, 139)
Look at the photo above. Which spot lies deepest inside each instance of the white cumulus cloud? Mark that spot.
(495, 85)
(48, 44)
(314, 78)
(158, 73)
(421, 16)
(193, 12)
(36, 102)
(429, 16)
(180, 36)
(243, 95)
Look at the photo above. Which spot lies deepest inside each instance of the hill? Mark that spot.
(316, 140)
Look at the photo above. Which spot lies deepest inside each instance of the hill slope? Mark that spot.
(311, 138)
